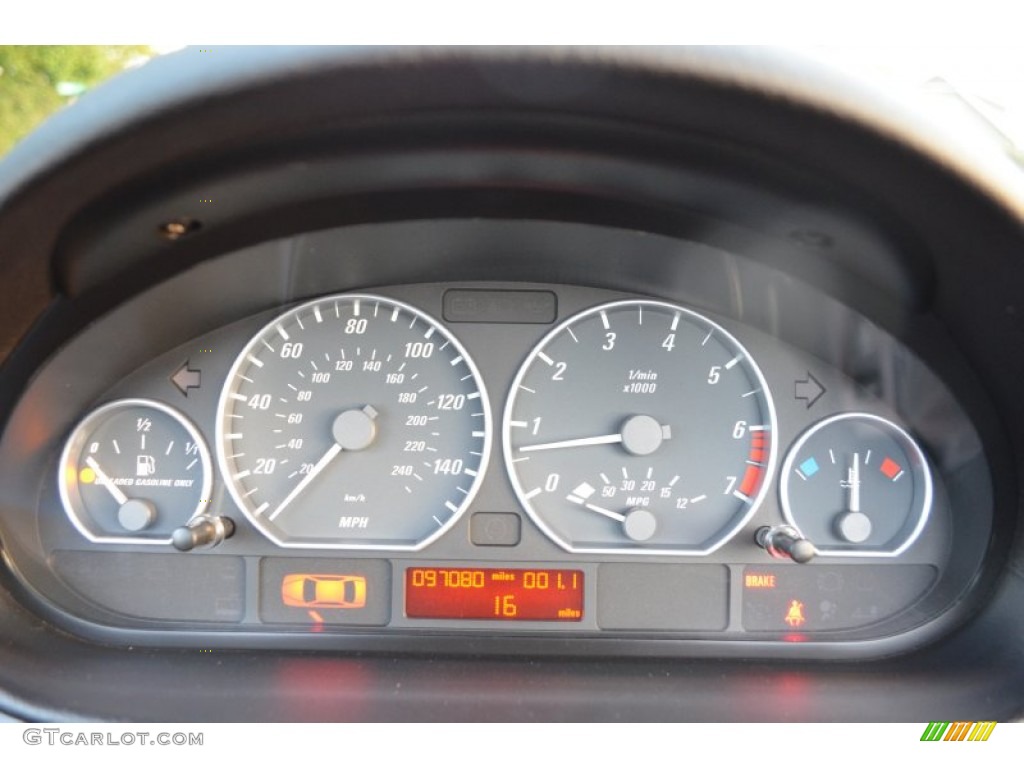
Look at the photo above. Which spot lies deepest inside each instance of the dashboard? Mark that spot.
(451, 391)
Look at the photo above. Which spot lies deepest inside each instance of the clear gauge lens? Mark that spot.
(857, 484)
(640, 427)
(133, 471)
(353, 421)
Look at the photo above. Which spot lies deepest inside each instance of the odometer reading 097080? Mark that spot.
(639, 427)
(497, 594)
(350, 422)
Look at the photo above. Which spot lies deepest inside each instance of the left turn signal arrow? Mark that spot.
(186, 378)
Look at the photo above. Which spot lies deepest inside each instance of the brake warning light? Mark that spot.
(753, 580)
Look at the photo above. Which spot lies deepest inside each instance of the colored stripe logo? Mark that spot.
(961, 731)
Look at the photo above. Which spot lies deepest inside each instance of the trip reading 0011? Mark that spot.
(503, 594)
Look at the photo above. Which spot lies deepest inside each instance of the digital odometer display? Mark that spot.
(503, 594)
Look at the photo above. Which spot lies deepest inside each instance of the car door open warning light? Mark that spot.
(311, 590)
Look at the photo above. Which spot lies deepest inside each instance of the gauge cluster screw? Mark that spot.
(785, 543)
(175, 229)
(202, 533)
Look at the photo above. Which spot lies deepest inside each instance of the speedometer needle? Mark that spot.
(326, 459)
(353, 430)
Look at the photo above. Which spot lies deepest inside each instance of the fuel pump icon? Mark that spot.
(145, 465)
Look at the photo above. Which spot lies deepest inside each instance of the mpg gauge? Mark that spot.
(640, 427)
(134, 471)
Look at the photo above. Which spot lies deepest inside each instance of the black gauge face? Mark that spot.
(133, 471)
(353, 421)
(857, 484)
(639, 426)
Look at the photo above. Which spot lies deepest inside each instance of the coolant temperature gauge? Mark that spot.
(134, 471)
(857, 484)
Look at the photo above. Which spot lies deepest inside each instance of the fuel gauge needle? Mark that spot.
(105, 481)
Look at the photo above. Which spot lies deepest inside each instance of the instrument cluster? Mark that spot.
(512, 460)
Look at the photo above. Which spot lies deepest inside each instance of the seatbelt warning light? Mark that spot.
(795, 614)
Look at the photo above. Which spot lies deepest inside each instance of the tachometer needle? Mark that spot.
(105, 481)
(576, 443)
(326, 459)
(640, 435)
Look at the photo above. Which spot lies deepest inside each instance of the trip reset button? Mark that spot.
(495, 529)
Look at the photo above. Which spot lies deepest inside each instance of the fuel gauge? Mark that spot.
(857, 484)
(134, 471)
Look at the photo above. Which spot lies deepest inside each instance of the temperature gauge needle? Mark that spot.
(855, 484)
(853, 525)
(106, 482)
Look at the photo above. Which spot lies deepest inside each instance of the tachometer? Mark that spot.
(639, 426)
(353, 421)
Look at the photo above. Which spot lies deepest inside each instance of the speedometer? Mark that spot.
(640, 427)
(353, 422)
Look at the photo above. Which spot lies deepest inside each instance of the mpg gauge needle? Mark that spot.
(106, 482)
(638, 523)
(616, 516)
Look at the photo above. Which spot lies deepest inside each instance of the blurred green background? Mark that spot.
(982, 85)
(37, 80)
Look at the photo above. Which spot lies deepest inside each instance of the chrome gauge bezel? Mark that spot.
(726, 534)
(228, 388)
(917, 456)
(68, 486)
